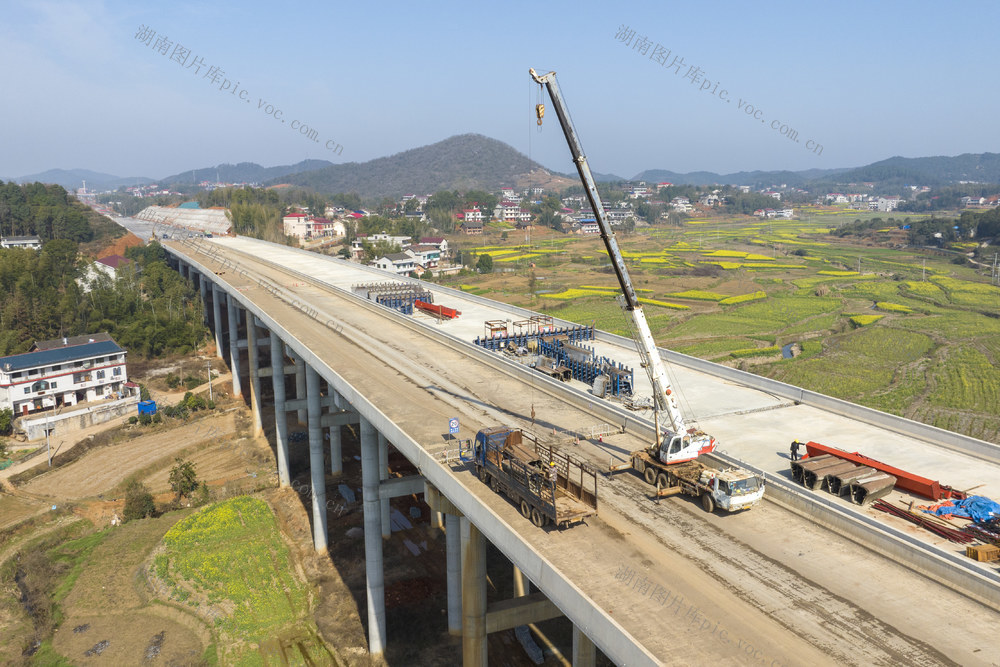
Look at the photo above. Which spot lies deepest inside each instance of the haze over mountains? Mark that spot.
(473, 161)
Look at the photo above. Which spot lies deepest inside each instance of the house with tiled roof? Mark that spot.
(62, 372)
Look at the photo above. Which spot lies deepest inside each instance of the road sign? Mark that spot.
(453, 426)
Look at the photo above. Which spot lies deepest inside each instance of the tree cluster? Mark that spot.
(149, 309)
(46, 211)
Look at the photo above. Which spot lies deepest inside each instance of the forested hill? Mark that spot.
(244, 172)
(464, 162)
(148, 310)
(940, 170)
(49, 212)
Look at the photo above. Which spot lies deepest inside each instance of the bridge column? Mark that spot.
(336, 451)
(300, 386)
(453, 544)
(253, 354)
(280, 416)
(234, 348)
(584, 651)
(374, 574)
(316, 467)
(473, 596)
(383, 474)
(203, 288)
(217, 320)
(522, 585)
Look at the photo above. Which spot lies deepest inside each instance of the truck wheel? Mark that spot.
(537, 517)
(661, 481)
(650, 475)
(707, 503)
(482, 473)
(525, 509)
(495, 484)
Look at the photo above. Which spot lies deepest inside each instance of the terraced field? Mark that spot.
(902, 330)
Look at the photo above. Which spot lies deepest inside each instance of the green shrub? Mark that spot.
(138, 501)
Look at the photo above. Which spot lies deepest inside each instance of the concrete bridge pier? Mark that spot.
(234, 347)
(374, 573)
(217, 320)
(474, 647)
(253, 354)
(280, 415)
(453, 550)
(203, 289)
(336, 450)
(383, 474)
(522, 585)
(317, 468)
(300, 386)
(584, 651)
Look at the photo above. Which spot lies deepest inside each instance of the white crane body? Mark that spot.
(675, 443)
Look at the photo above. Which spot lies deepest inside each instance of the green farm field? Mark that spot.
(903, 330)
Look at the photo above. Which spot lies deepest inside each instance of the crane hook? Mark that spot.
(540, 112)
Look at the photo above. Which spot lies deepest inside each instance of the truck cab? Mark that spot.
(733, 490)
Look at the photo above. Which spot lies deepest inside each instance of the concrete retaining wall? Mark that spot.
(67, 422)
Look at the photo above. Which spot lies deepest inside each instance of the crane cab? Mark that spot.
(680, 447)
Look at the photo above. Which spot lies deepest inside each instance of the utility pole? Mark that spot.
(209, 380)
(923, 271)
(48, 449)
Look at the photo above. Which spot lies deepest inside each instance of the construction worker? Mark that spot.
(795, 450)
(553, 474)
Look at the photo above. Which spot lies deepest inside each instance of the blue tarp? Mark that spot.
(977, 508)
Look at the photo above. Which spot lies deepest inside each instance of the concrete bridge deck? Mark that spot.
(649, 582)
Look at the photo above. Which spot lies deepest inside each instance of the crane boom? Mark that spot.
(679, 442)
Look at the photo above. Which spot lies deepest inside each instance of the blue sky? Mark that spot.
(866, 81)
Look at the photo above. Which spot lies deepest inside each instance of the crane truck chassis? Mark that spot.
(546, 484)
(731, 489)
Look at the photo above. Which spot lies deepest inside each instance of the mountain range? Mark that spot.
(463, 162)
(472, 161)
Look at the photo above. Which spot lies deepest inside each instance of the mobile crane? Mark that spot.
(677, 442)
(732, 489)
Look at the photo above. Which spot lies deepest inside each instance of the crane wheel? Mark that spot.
(537, 517)
(661, 481)
(650, 475)
(707, 503)
(525, 509)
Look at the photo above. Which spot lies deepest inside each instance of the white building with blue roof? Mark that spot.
(63, 372)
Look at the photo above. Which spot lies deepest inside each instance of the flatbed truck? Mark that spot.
(547, 485)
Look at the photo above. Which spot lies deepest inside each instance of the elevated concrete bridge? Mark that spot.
(645, 583)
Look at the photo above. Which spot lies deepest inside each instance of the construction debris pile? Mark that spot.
(982, 514)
